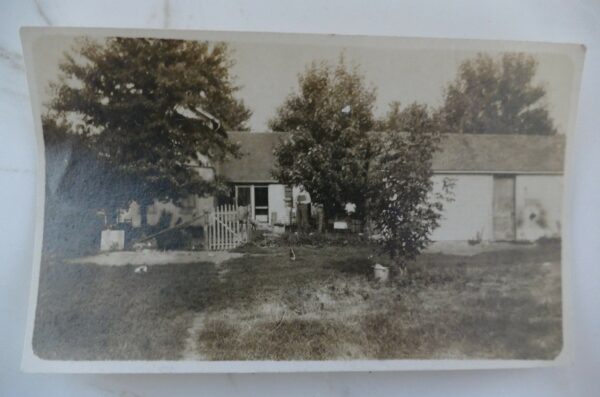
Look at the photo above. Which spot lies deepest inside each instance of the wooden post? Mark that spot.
(229, 225)
(205, 226)
(210, 229)
(219, 229)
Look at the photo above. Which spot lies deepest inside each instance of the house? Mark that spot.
(506, 187)
(252, 178)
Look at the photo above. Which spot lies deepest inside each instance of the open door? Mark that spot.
(256, 199)
(261, 204)
(504, 208)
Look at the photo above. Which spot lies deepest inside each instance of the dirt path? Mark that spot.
(191, 350)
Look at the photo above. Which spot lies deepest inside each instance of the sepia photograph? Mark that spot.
(224, 196)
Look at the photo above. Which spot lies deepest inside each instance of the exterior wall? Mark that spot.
(277, 205)
(470, 214)
(156, 209)
(194, 206)
(207, 173)
(538, 206)
(131, 214)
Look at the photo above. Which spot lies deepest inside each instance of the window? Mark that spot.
(243, 196)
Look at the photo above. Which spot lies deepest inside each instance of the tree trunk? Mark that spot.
(320, 219)
(143, 215)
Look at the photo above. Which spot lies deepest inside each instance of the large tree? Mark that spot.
(151, 109)
(496, 96)
(328, 149)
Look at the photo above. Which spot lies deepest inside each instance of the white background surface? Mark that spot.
(556, 21)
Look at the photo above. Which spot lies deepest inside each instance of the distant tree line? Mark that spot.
(488, 96)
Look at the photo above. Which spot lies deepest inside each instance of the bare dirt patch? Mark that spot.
(191, 349)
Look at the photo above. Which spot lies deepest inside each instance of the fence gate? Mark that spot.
(226, 228)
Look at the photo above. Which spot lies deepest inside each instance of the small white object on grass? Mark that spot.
(381, 273)
(141, 269)
(340, 225)
(350, 208)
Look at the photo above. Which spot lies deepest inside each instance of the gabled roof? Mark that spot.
(460, 153)
(257, 161)
(510, 153)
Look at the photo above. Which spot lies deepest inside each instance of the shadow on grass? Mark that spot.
(91, 312)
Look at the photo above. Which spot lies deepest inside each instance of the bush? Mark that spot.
(174, 239)
(321, 239)
(403, 209)
(70, 231)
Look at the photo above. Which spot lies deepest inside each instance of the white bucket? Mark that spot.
(382, 273)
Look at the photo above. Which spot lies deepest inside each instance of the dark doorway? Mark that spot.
(261, 204)
(504, 208)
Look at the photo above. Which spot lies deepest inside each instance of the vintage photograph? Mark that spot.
(235, 197)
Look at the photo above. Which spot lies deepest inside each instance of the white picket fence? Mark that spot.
(225, 228)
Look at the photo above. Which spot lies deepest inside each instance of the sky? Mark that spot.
(267, 69)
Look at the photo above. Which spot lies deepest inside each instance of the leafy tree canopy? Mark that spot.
(151, 109)
(329, 118)
(496, 96)
(415, 117)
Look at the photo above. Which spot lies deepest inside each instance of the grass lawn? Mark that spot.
(324, 305)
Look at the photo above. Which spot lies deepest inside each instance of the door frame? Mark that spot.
(513, 212)
(252, 186)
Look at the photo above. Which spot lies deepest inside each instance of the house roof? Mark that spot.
(460, 153)
(257, 161)
(498, 153)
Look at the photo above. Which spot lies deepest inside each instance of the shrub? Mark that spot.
(403, 209)
(170, 239)
(70, 231)
(321, 239)
(174, 240)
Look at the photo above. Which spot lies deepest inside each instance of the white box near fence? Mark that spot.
(112, 240)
